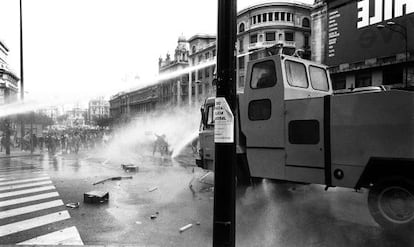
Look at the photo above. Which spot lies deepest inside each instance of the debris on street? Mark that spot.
(130, 167)
(152, 189)
(138, 222)
(73, 205)
(186, 227)
(95, 197)
(198, 223)
(154, 216)
(112, 179)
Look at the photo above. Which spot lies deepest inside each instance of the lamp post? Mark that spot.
(21, 74)
(404, 34)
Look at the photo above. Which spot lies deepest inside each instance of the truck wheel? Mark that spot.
(391, 203)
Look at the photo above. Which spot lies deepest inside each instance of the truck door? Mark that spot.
(262, 118)
(207, 136)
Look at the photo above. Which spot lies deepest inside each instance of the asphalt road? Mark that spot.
(268, 214)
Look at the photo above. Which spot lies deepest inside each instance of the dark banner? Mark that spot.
(353, 33)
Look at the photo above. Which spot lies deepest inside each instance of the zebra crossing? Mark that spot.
(31, 211)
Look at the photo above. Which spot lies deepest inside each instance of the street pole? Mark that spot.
(21, 74)
(224, 230)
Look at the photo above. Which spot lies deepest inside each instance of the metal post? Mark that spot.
(21, 75)
(224, 230)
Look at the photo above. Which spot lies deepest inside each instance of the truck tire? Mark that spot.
(391, 203)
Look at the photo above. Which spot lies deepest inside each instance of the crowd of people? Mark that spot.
(65, 141)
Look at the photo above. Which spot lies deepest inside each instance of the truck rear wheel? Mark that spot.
(391, 203)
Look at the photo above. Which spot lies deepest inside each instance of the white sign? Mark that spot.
(382, 11)
(223, 122)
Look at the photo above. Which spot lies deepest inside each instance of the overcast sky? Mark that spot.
(90, 47)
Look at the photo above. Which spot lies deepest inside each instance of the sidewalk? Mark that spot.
(15, 153)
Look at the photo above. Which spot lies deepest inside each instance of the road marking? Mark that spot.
(28, 199)
(29, 209)
(67, 236)
(15, 174)
(27, 191)
(12, 187)
(32, 223)
(24, 180)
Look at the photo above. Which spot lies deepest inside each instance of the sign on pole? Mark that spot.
(223, 122)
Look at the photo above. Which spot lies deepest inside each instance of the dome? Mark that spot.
(182, 38)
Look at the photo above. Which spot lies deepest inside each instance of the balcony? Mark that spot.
(265, 44)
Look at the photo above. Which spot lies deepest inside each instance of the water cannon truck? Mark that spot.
(290, 126)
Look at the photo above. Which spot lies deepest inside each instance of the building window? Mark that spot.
(288, 17)
(259, 18)
(214, 52)
(253, 38)
(207, 55)
(241, 45)
(289, 36)
(276, 16)
(306, 42)
(241, 27)
(200, 74)
(363, 79)
(270, 16)
(270, 36)
(392, 75)
(193, 49)
(264, 17)
(241, 81)
(207, 72)
(200, 58)
(253, 56)
(305, 22)
(241, 62)
(338, 82)
(282, 16)
(254, 19)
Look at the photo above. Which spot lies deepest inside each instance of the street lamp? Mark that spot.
(404, 34)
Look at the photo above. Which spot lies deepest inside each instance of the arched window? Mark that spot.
(305, 22)
(241, 27)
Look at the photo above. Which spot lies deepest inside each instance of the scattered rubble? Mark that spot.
(112, 179)
(95, 197)
(130, 168)
(152, 189)
(73, 205)
(154, 216)
(186, 227)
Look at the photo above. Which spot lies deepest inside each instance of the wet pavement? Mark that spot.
(176, 193)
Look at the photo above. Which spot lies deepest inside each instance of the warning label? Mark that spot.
(223, 122)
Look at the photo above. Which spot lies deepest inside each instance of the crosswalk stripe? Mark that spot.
(25, 176)
(29, 209)
(20, 174)
(28, 199)
(67, 236)
(23, 180)
(32, 223)
(27, 191)
(19, 186)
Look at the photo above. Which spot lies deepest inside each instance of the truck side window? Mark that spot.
(318, 78)
(210, 118)
(263, 75)
(303, 131)
(260, 109)
(296, 74)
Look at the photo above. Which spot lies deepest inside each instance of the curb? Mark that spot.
(19, 156)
